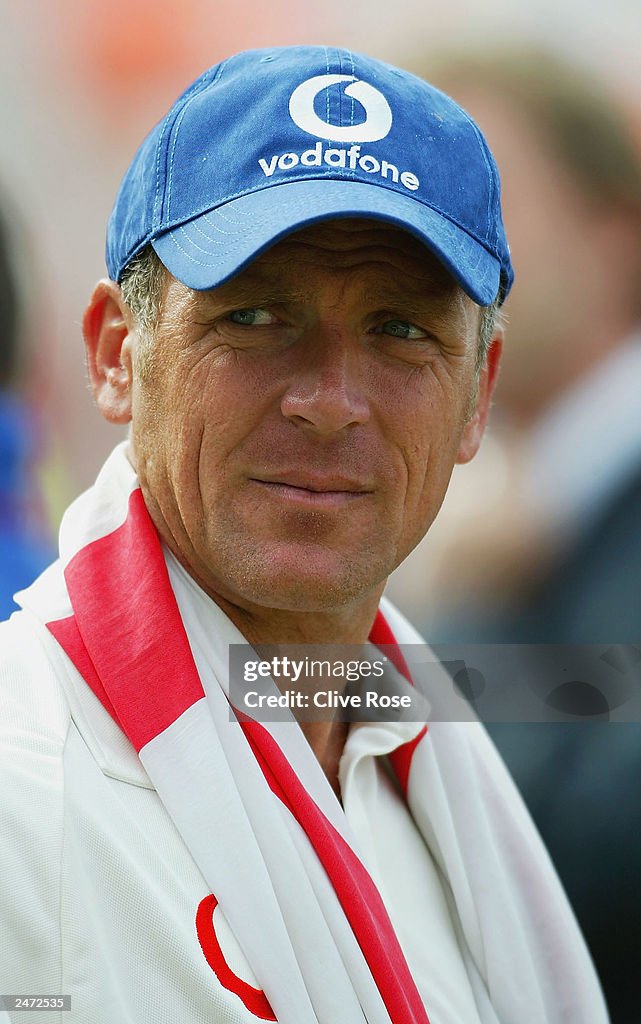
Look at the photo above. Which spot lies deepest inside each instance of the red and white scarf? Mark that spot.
(261, 821)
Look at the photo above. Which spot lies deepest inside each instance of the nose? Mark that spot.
(326, 393)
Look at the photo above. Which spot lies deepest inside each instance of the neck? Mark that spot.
(327, 740)
(347, 625)
(350, 624)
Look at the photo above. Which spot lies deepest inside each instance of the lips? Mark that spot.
(314, 482)
(312, 490)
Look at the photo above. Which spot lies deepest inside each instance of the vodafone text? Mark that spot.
(339, 157)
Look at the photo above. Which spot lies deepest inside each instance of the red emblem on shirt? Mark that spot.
(254, 999)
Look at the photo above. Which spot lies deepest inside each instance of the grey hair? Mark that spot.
(142, 286)
(491, 317)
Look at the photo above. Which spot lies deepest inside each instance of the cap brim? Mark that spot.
(207, 250)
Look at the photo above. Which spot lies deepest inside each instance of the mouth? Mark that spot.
(313, 491)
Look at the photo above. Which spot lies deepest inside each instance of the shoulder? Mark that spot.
(34, 718)
(35, 712)
(34, 722)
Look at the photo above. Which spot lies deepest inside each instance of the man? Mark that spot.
(291, 326)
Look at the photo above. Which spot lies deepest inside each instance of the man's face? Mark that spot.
(294, 430)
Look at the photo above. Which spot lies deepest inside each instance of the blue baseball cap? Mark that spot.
(270, 141)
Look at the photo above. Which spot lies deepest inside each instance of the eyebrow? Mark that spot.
(417, 301)
(412, 300)
(260, 287)
(248, 293)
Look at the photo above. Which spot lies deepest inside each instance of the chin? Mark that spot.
(308, 583)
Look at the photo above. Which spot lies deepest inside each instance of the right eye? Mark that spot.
(251, 317)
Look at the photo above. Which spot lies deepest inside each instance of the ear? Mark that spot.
(475, 426)
(108, 331)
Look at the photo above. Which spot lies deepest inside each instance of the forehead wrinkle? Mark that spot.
(366, 237)
(391, 258)
(420, 276)
(250, 287)
(413, 295)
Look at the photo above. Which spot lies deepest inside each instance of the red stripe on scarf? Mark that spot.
(401, 758)
(127, 618)
(381, 635)
(68, 636)
(357, 893)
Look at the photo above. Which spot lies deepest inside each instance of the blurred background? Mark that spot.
(539, 540)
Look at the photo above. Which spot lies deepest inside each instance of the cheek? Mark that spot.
(167, 431)
(429, 452)
(212, 393)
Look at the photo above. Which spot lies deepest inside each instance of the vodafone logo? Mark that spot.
(348, 157)
(378, 116)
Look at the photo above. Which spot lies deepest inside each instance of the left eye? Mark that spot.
(401, 329)
(251, 317)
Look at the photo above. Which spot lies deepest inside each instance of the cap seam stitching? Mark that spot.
(169, 123)
(178, 122)
(352, 102)
(488, 167)
(327, 62)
